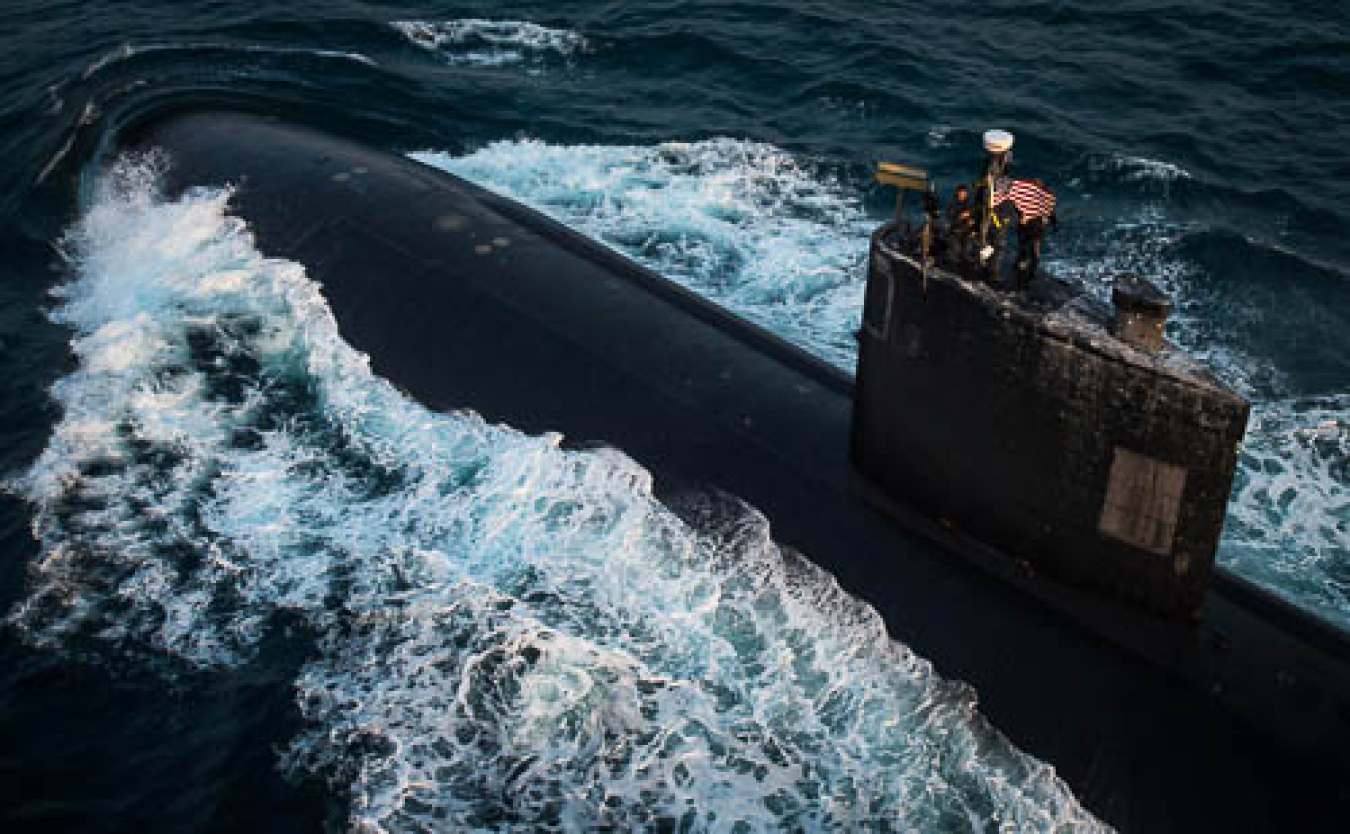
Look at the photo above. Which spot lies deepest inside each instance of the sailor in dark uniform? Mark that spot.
(990, 191)
(1030, 234)
(998, 220)
(961, 226)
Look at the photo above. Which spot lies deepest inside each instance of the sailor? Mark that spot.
(990, 194)
(1036, 210)
(997, 219)
(961, 226)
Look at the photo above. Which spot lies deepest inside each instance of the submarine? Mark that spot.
(967, 483)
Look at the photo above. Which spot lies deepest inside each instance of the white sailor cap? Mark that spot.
(998, 141)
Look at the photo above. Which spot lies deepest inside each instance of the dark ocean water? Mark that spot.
(173, 658)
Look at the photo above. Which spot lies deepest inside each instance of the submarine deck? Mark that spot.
(467, 300)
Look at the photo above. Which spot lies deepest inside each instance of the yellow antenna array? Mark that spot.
(903, 177)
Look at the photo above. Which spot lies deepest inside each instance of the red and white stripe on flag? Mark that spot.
(1031, 199)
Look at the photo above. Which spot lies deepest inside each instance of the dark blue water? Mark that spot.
(173, 655)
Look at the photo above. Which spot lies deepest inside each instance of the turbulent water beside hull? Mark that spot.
(508, 632)
(783, 243)
(742, 223)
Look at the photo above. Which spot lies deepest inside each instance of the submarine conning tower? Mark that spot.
(1060, 430)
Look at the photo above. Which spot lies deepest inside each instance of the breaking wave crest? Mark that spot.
(509, 634)
(492, 43)
(742, 223)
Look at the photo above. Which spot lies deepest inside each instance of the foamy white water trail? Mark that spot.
(766, 235)
(742, 223)
(510, 635)
(492, 43)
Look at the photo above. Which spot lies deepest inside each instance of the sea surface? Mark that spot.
(247, 583)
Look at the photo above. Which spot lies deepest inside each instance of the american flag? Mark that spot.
(1031, 199)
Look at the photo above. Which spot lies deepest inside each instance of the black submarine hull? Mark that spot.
(467, 300)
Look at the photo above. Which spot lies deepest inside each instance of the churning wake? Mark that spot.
(508, 634)
(742, 223)
(784, 245)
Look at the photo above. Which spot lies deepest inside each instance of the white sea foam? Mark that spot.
(1143, 168)
(491, 43)
(1289, 523)
(742, 223)
(939, 136)
(510, 634)
(1150, 176)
